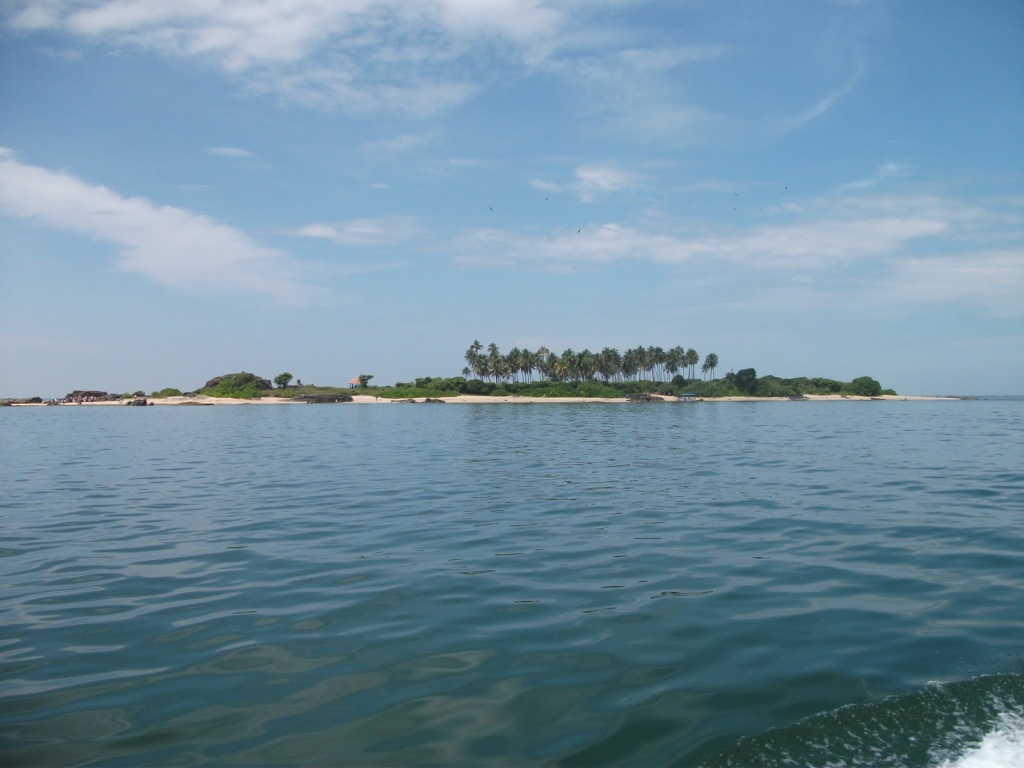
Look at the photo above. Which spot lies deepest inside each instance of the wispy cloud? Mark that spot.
(359, 56)
(823, 105)
(910, 248)
(807, 246)
(885, 171)
(382, 230)
(416, 59)
(242, 154)
(591, 245)
(171, 246)
(592, 182)
(636, 91)
(595, 181)
(994, 279)
(397, 144)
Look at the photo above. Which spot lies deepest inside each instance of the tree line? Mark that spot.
(640, 363)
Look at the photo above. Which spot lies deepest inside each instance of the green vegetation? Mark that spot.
(608, 374)
(745, 381)
(242, 385)
(864, 386)
(638, 364)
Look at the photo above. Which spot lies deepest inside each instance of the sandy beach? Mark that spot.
(201, 400)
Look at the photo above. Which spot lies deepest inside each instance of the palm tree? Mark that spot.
(473, 352)
(691, 359)
(512, 363)
(586, 365)
(495, 362)
(710, 363)
(526, 364)
(674, 360)
(651, 361)
(566, 365)
(609, 363)
(647, 364)
(631, 361)
(545, 362)
(474, 360)
(520, 365)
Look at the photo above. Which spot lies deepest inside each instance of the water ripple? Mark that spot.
(600, 585)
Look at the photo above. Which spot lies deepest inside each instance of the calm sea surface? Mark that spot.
(765, 584)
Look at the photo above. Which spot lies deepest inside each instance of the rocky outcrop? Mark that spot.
(643, 397)
(137, 401)
(87, 396)
(316, 399)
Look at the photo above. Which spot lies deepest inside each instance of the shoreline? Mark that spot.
(204, 400)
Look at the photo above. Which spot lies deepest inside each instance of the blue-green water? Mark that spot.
(721, 584)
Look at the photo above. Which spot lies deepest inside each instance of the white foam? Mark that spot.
(1003, 747)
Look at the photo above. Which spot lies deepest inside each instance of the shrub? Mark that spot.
(770, 386)
(168, 392)
(241, 385)
(745, 381)
(475, 387)
(864, 386)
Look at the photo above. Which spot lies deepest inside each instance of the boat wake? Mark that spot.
(976, 723)
(1003, 747)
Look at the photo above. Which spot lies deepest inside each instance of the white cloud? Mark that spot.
(533, 25)
(168, 245)
(329, 87)
(637, 92)
(994, 279)
(595, 181)
(242, 154)
(383, 230)
(545, 186)
(885, 172)
(592, 244)
(411, 57)
(357, 55)
(397, 144)
(907, 249)
(37, 15)
(822, 106)
(592, 182)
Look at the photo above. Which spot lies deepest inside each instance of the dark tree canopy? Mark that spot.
(746, 380)
(864, 386)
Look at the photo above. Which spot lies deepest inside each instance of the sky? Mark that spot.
(803, 187)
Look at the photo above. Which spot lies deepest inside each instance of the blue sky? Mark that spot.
(805, 187)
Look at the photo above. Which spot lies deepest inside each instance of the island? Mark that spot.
(642, 375)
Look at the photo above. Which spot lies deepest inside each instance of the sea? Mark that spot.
(811, 584)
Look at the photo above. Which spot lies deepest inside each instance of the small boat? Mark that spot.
(689, 397)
